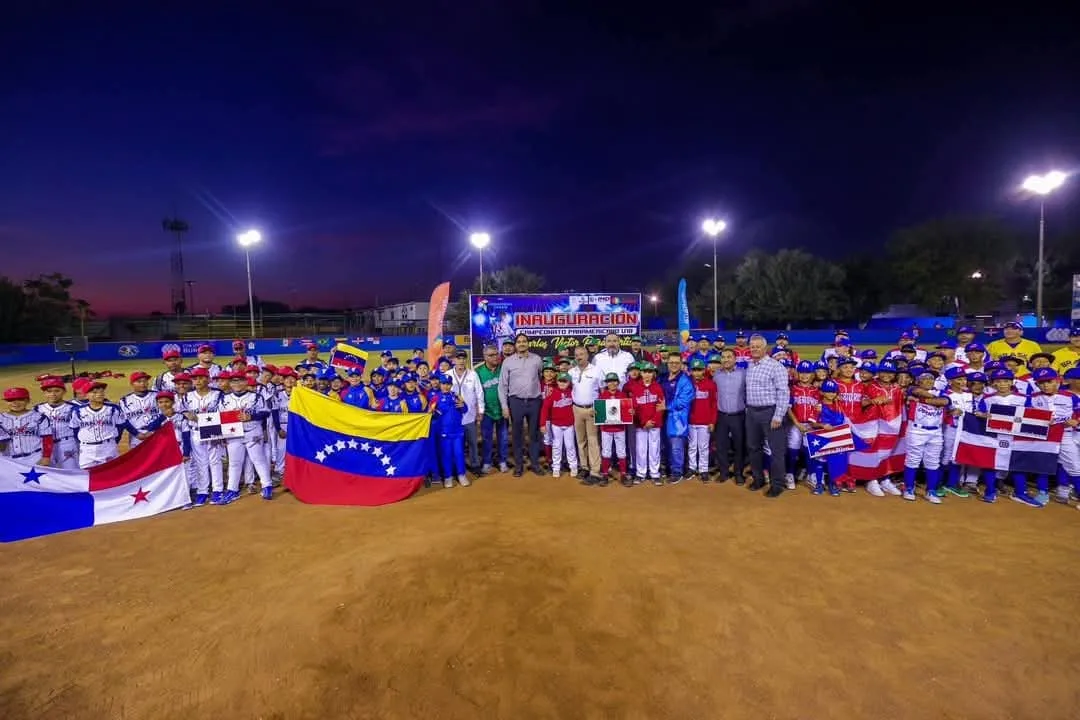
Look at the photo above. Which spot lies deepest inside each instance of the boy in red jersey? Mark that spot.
(633, 379)
(648, 399)
(557, 412)
(884, 400)
(547, 386)
(613, 437)
(703, 411)
(852, 391)
(805, 405)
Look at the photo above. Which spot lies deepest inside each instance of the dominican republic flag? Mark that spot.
(144, 481)
(347, 357)
(829, 442)
(978, 447)
(1025, 422)
(614, 411)
(219, 426)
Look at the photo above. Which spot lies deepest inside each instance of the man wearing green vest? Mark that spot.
(493, 426)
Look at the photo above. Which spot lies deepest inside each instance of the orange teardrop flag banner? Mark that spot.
(440, 298)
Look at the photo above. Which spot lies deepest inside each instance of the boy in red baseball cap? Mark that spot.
(23, 431)
(65, 451)
(140, 405)
(173, 366)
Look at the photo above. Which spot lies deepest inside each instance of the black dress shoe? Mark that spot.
(587, 481)
(538, 471)
(740, 481)
(757, 485)
(775, 491)
(517, 473)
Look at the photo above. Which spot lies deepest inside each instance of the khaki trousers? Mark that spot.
(588, 442)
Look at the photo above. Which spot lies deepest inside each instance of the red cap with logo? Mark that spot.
(170, 355)
(17, 393)
(139, 375)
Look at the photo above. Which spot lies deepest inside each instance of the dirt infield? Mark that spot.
(537, 598)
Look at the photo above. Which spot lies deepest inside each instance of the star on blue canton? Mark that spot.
(33, 476)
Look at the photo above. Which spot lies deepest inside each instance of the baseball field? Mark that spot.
(540, 598)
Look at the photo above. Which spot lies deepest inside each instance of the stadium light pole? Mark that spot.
(480, 240)
(246, 239)
(713, 227)
(1042, 185)
(654, 298)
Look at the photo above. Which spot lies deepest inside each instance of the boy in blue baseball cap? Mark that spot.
(1064, 408)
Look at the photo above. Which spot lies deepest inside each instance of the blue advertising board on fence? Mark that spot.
(555, 322)
(152, 351)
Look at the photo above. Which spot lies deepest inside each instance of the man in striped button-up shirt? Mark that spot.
(767, 400)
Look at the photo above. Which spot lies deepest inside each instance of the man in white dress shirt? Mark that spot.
(587, 380)
(613, 359)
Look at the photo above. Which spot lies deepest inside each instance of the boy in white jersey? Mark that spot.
(1004, 393)
(167, 379)
(207, 455)
(926, 416)
(65, 451)
(1064, 407)
(252, 444)
(167, 414)
(281, 415)
(23, 431)
(98, 425)
(139, 405)
(960, 401)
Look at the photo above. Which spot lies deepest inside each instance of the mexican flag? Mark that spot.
(615, 411)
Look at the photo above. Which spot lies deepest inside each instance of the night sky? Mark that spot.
(589, 142)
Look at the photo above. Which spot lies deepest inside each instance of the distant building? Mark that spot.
(407, 318)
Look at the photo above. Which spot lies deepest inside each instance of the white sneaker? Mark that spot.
(932, 498)
(556, 474)
(503, 467)
(889, 487)
(448, 483)
(1062, 494)
(463, 481)
(874, 488)
(909, 496)
(789, 479)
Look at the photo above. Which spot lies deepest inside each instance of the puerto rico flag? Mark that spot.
(1027, 422)
(981, 448)
(885, 454)
(829, 442)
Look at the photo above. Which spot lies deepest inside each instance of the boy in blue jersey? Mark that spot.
(415, 401)
(829, 416)
(448, 409)
(393, 402)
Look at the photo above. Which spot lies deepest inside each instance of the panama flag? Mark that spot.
(978, 447)
(219, 425)
(613, 411)
(37, 500)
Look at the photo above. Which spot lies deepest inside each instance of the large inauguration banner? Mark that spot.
(556, 323)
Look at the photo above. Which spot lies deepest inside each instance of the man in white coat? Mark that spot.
(466, 385)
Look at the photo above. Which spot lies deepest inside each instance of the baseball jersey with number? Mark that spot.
(60, 417)
(93, 427)
(23, 433)
(139, 408)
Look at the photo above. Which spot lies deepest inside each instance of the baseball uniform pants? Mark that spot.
(698, 449)
(452, 454)
(588, 444)
(96, 454)
(65, 454)
(206, 456)
(924, 447)
(238, 451)
(647, 455)
(563, 440)
(613, 441)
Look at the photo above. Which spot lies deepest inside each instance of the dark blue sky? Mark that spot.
(364, 144)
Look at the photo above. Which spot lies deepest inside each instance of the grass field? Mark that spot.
(539, 598)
